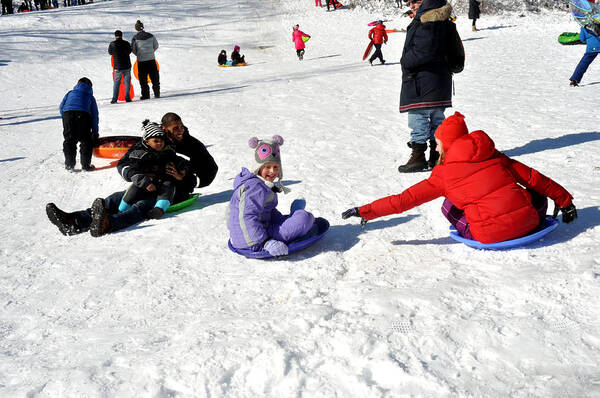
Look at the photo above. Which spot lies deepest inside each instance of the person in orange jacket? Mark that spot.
(489, 196)
(379, 36)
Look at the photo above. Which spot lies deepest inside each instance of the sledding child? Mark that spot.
(236, 58)
(153, 168)
(79, 113)
(297, 36)
(222, 59)
(592, 40)
(254, 222)
(489, 196)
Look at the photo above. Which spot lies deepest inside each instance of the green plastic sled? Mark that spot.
(188, 202)
(568, 38)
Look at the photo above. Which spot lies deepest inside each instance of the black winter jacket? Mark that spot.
(473, 9)
(202, 164)
(426, 77)
(141, 160)
(120, 50)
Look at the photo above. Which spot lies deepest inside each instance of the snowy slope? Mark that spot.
(164, 309)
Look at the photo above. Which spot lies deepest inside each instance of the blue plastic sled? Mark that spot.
(549, 225)
(293, 247)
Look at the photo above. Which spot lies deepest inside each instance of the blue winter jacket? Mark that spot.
(81, 98)
(426, 77)
(252, 210)
(592, 41)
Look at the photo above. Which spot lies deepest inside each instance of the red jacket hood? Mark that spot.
(474, 147)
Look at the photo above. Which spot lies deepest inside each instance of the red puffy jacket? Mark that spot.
(486, 184)
(378, 34)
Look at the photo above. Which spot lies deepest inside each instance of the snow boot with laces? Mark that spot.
(417, 161)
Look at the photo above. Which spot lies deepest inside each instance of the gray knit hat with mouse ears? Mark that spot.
(266, 151)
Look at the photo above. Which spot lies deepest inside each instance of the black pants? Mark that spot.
(77, 127)
(7, 7)
(164, 190)
(377, 53)
(145, 69)
(300, 53)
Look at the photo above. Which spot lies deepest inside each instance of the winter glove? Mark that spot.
(141, 180)
(569, 213)
(353, 212)
(276, 247)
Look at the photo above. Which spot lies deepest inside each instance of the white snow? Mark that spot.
(164, 309)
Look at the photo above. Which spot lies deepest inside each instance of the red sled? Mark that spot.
(368, 50)
(122, 86)
(336, 4)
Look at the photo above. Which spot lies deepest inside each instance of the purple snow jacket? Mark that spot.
(252, 210)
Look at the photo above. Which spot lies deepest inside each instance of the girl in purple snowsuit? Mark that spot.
(254, 222)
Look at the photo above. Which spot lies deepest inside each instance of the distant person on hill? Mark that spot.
(120, 50)
(222, 59)
(79, 113)
(489, 197)
(592, 40)
(474, 12)
(297, 38)
(236, 58)
(318, 3)
(203, 168)
(23, 8)
(379, 37)
(143, 45)
(7, 7)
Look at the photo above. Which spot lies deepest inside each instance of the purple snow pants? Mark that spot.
(287, 228)
(457, 216)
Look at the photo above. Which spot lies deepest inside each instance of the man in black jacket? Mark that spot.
(120, 50)
(426, 79)
(203, 166)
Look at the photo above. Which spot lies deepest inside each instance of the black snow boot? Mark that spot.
(100, 222)
(417, 161)
(433, 155)
(155, 214)
(66, 222)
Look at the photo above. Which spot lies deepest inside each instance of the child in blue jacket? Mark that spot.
(590, 37)
(80, 124)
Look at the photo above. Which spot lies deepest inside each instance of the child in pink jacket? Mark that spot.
(298, 42)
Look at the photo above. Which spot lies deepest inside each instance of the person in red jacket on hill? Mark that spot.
(379, 36)
(489, 196)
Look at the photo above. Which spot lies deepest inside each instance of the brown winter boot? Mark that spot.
(417, 160)
(474, 29)
(433, 155)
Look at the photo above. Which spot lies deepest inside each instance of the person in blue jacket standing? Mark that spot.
(79, 113)
(590, 37)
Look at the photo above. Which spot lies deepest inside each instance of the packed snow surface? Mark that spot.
(164, 309)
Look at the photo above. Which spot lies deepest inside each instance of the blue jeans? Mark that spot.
(423, 123)
(126, 73)
(135, 214)
(582, 66)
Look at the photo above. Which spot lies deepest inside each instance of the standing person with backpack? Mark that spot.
(474, 12)
(379, 37)
(426, 79)
(143, 46)
(120, 50)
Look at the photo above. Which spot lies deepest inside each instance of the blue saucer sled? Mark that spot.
(550, 224)
(322, 225)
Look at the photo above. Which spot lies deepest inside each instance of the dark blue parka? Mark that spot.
(426, 78)
(81, 98)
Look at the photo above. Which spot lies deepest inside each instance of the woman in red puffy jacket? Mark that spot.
(489, 196)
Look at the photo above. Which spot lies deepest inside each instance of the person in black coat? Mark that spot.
(222, 59)
(474, 12)
(120, 50)
(152, 167)
(426, 79)
(202, 165)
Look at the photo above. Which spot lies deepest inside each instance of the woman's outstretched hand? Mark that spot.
(353, 212)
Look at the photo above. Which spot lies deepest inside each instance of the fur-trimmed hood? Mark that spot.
(431, 14)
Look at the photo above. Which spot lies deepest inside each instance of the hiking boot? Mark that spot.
(574, 83)
(100, 224)
(474, 29)
(433, 155)
(155, 213)
(66, 222)
(91, 167)
(417, 160)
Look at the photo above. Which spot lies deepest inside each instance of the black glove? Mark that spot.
(569, 213)
(353, 212)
